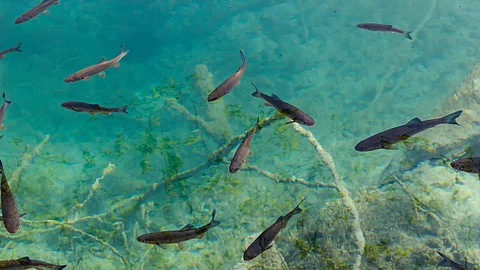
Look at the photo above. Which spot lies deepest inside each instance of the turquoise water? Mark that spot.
(353, 82)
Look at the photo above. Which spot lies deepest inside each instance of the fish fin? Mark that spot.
(414, 122)
(267, 104)
(46, 12)
(267, 248)
(2, 127)
(237, 83)
(122, 109)
(450, 119)
(275, 97)
(409, 144)
(297, 209)
(290, 122)
(241, 55)
(102, 60)
(116, 65)
(250, 153)
(279, 219)
(181, 246)
(389, 146)
(122, 47)
(200, 236)
(16, 47)
(213, 222)
(189, 226)
(44, 1)
(102, 74)
(6, 101)
(407, 34)
(2, 136)
(257, 92)
(24, 260)
(92, 113)
(60, 267)
(56, 3)
(446, 261)
(87, 78)
(163, 246)
(21, 215)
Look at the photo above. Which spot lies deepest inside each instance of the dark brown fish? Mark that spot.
(383, 28)
(14, 48)
(92, 109)
(290, 111)
(10, 217)
(263, 241)
(226, 86)
(471, 165)
(35, 11)
(447, 262)
(98, 68)
(27, 263)
(387, 139)
(175, 237)
(2, 110)
(243, 150)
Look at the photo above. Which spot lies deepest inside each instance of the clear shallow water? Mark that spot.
(353, 82)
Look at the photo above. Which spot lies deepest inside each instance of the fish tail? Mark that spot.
(297, 209)
(6, 101)
(258, 124)
(243, 56)
(214, 223)
(257, 92)
(446, 261)
(60, 267)
(122, 48)
(122, 109)
(407, 35)
(450, 119)
(16, 47)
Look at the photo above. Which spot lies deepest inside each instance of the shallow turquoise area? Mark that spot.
(161, 176)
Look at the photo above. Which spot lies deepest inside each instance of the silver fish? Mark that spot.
(14, 48)
(92, 109)
(290, 111)
(384, 28)
(99, 68)
(243, 150)
(174, 237)
(10, 217)
(263, 241)
(226, 86)
(27, 263)
(387, 139)
(35, 11)
(447, 262)
(2, 110)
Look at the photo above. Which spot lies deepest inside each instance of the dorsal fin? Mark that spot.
(24, 260)
(102, 60)
(280, 219)
(44, 1)
(414, 122)
(273, 96)
(189, 226)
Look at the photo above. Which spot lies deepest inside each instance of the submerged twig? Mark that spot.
(26, 159)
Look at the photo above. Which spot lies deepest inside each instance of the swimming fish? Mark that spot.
(175, 237)
(285, 108)
(99, 68)
(383, 28)
(226, 86)
(471, 165)
(263, 241)
(27, 263)
(35, 11)
(449, 263)
(14, 48)
(10, 217)
(2, 110)
(92, 108)
(386, 139)
(243, 150)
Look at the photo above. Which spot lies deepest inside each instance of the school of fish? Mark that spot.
(387, 140)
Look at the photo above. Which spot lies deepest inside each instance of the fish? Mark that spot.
(447, 262)
(384, 28)
(92, 109)
(387, 139)
(226, 86)
(243, 150)
(14, 48)
(471, 165)
(288, 110)
(35, 11)
(10, 217)
(27, 263)
(2, 110)
(99, 68)
(263, 241)
(188, 232)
